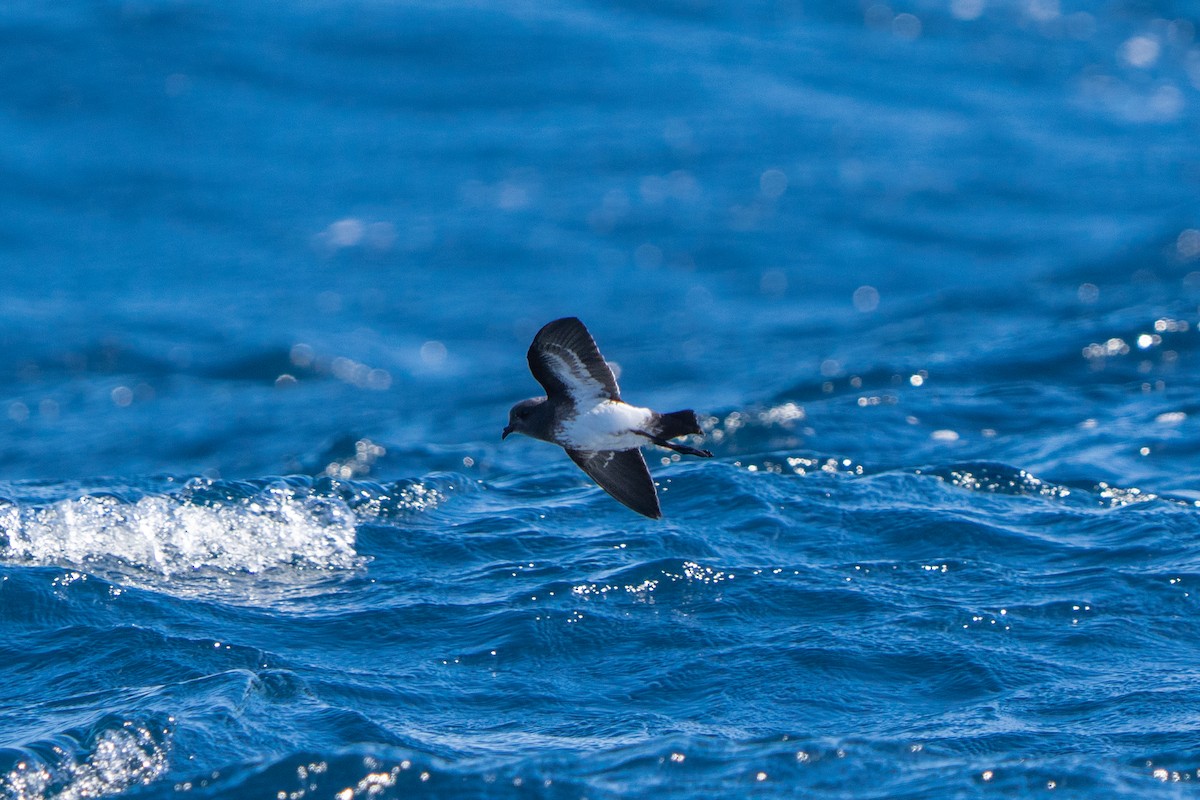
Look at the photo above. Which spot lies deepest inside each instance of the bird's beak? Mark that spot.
(507, 431)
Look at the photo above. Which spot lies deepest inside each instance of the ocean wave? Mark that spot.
(835, 620)
(110, 758)
(203, 529)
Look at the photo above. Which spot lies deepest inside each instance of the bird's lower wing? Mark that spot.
(623, 474)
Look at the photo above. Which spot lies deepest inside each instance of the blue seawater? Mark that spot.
(928, 269)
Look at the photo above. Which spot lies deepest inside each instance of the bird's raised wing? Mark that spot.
(565, 360)
(623, 474)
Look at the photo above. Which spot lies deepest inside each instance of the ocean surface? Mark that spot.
(928, 271)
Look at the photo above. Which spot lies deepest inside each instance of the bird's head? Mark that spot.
(521, 417)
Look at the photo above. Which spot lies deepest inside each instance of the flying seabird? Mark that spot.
(584, 414)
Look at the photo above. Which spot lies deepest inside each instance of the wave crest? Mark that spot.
(112, 761)
(208, 525)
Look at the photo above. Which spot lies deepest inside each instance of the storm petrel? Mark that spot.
(584, 414)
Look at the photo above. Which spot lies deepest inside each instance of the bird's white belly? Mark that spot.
(608, 425)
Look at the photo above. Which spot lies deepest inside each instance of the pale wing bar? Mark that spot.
(565, 360)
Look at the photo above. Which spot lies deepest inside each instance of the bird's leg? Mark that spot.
(678, 448)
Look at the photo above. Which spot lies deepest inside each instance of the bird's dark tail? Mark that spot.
(677, 423)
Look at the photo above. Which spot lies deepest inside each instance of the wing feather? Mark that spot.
(624, 475)
(565, 360)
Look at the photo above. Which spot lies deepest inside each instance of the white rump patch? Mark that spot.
(608, 425)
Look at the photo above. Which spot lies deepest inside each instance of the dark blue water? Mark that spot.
(930, 272)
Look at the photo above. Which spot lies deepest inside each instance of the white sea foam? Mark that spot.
(276, 526)
(119, 759)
